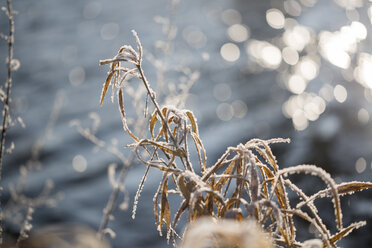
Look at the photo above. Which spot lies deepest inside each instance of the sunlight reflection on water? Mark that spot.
(304, 51)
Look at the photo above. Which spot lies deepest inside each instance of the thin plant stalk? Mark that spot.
(8, 86)
(8, 83)
(152, 95)
(112, 202)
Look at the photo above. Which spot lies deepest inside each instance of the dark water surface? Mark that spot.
(59, 44)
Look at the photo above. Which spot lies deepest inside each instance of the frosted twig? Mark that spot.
(109, 208)
(8, 86)
(311, 169)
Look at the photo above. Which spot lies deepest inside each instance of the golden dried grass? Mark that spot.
(245, 183)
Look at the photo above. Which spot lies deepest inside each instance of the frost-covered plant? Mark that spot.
(19, 208)
(138, 120)
(5, 95)
(244, 184)
(12, 65)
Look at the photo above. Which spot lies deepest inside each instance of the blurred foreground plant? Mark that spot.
(18, 210)
(245, 184)
(5, 97)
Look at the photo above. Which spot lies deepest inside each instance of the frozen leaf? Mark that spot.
(106, 85)
(345, 231)
(165, 210)
(123, 115)
(153, 121)
(193, 122)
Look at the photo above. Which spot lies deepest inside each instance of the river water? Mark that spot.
(59, 45)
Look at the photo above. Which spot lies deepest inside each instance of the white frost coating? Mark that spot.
(315, 171)
(111, 171)
(138, 193)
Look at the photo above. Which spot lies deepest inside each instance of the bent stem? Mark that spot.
(152, 95)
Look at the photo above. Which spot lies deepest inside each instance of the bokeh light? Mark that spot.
(296, 37)
(337, 47)
(308, 68)
(363, 70)
(305, 51)
(264, 53)
(230, 52)
(360, 165)
(275, 18)
(363, 116)
(109, 31)
(370, 14)
(194, 36)
(308, 3)
(349, 4)
(303, 108)
(77, 76)
(290, 55)
(231, 17)
(340, 93)
(238, 32)
(240, 109)
(225, 111)
(79, 163)
(296, 84)
(292, 7)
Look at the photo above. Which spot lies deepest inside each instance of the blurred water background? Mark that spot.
(300, 69)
